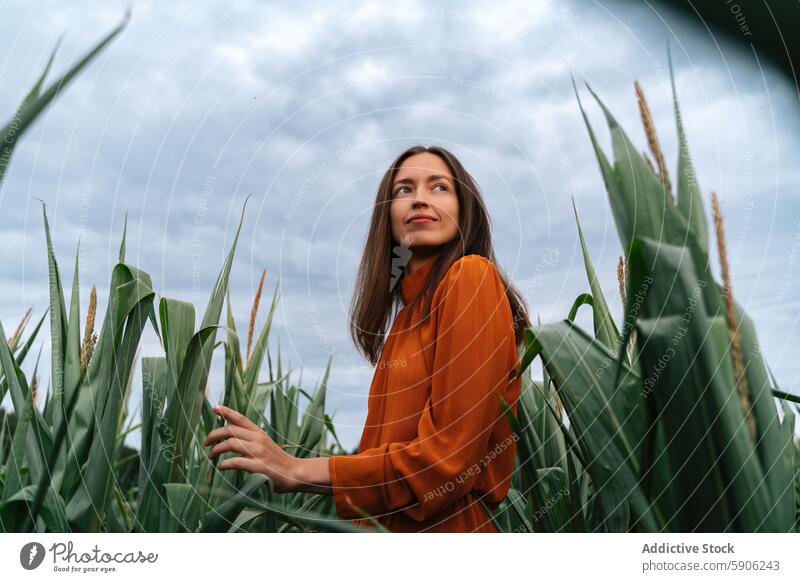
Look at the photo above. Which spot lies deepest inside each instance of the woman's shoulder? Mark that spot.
(472, 285)
(471, 272)
(473, 259)
(471, 265)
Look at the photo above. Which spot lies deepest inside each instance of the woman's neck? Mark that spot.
(417, 262)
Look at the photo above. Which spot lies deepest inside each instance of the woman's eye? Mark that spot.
(401, 188)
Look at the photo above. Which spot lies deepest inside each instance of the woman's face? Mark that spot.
(424, 186)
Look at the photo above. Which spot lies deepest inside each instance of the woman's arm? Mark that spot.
(260, 454)
(313, 475)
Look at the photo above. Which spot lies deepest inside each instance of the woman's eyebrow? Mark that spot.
(430, 179)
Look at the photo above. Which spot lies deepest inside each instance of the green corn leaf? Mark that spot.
(641, 193)
(15, 510)
(4, 428)
(184, 409)
(293, 415)
(15, 469)
(58, 320)
(123, 239)
(774, 446)
(619, 205)
(234, 396)
(313, 424)
(516, 503)
(605, 416)
(690, 202)
(221, 518)
(696, 398)
(179, 496)
(72, 367)
(604, 328)
(102, 397)
(250, 378)
(332, 430)
(51, 448)
(36, 101)
(23, 351)
(177, 330)
(232, 325)
(580, 300)
(72, 352)
(31, 439)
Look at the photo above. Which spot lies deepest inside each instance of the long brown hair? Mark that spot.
(372, 305)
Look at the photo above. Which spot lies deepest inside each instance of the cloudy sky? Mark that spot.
(303, 105)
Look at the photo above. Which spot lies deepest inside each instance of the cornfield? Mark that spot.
(670, 422)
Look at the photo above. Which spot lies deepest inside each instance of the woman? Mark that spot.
(436, 439)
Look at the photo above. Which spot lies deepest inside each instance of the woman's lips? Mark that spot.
(420, 220)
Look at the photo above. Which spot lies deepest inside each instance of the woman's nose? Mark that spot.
(421, 196)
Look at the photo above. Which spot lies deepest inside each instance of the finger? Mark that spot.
(235, 417)
(241, 463)
(228, 431)
(246, 448)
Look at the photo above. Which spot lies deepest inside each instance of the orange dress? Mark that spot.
(436, 439)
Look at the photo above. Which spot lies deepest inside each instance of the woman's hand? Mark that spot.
(260, 454)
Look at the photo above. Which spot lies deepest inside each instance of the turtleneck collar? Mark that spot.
(412, 284)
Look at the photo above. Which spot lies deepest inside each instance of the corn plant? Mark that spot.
(63, 469)
(673, 421)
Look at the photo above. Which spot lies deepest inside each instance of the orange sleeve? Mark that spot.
(423, 476)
